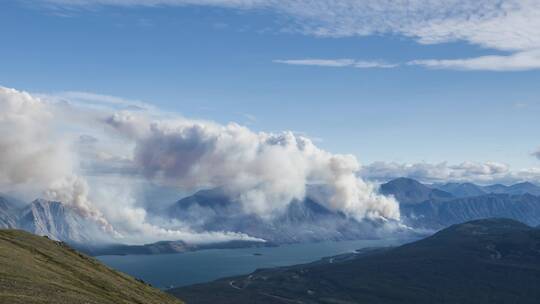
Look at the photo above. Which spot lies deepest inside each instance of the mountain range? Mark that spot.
(8, 213)
(424, 208)
(441, 205)
(410, 191)
(302, 221)
(52, 219)
(59, 222)
(483, 261)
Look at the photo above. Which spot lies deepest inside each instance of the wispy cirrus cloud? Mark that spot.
(503, 25)
(99, 99)
(361, 64)
(506, 25)
(521, 61)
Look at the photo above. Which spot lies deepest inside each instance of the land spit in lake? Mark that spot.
(181, 269)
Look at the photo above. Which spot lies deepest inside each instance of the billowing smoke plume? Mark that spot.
(29, 153)
(264, 172)
(73, 190)
(65, 151)
(33, 158)
(37, 158)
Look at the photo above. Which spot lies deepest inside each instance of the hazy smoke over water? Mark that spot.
(42, 148)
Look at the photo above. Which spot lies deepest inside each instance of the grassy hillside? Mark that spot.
(34, 269)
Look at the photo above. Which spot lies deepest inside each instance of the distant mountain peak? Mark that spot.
(405, 181)
(462, 189)
(41, 204)
(8, 213)
(410, 191)
(519, 188)
(488, 226)
(56, 221)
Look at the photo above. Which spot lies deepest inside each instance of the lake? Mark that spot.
(172, 270)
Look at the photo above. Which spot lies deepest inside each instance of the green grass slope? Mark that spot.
(34, 269)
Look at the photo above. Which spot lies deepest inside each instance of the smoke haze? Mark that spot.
(56, 147)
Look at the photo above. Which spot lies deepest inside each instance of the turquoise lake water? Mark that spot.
(171, 270)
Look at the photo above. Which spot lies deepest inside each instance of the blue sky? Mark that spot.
(218, 62)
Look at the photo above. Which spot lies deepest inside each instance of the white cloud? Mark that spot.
(508, 25)
(520, 61)
(98, 100)
(318, 62)
(483, 173)
(227, 3)
(505, 25)
(527, 174)
(249, 119)
(361, 64)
